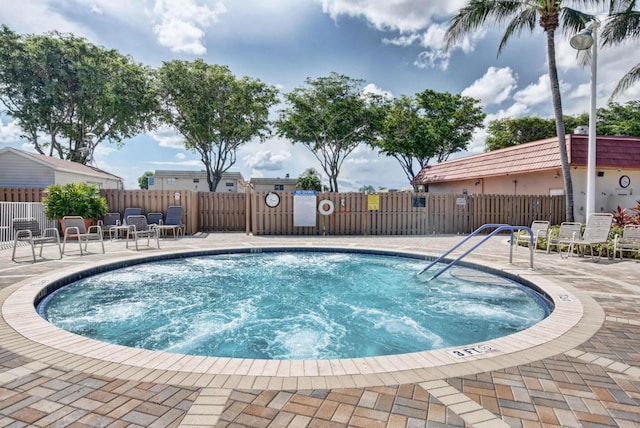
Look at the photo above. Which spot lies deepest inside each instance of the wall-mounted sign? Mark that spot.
(373, 202)
(461, 201)
(304, 208)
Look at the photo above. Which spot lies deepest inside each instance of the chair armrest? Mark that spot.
(25, 232)
(97, 229)
(68, 230)
(53, 230)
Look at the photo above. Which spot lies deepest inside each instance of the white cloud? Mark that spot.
(400, 15)
(182, 22)
(494, 87)
(10, 133)
(180, 156)
(538, 92)
(432, 58)
(375, 90)
(167, 137)
(266, 160)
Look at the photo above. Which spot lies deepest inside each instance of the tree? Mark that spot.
(143, 180)
(623, 23)
(617, 119)
(309, 180)
(215, 112)
(433, 125)
(367, 189)
(522, 15)
(65, 88)
(330, 117)
(509, 132)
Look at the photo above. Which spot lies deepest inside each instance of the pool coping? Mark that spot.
(566, 327)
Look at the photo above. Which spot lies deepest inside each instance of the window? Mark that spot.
(278, 187)
(196, 180)
(171, 180)
(151, 181)
(229, 184)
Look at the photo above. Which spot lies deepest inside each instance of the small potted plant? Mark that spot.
(74, 199)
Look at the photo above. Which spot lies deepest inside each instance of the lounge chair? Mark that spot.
(173, 221)
(629, 241)
(154, 219)
(596, 232)
(75, 228)
(139, 228)
(109, 224)
(540, 229)
(128, 212)
(28, 230)
(568, 231)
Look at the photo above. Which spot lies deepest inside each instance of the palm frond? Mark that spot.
(620, 27)
(628, 80)
(525, 20)
(475, 15)
(573, 21)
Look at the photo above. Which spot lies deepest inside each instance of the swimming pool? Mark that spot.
(309, 292)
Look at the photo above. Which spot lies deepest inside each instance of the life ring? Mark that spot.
(329, 207)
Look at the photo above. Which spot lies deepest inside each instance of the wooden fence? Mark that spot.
(396, 213)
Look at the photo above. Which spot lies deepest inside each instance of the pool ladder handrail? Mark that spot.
(498, 228)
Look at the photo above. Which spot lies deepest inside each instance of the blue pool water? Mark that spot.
(292, 305)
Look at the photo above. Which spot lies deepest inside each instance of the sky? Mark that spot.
(395, 47)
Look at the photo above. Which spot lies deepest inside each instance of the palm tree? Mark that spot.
(623, 23)
(522, 15)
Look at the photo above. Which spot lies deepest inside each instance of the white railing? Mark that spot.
(11, 210)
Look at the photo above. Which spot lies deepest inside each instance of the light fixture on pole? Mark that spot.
(584, 40)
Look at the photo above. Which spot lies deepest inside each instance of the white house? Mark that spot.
(32, 170)
(195, 181)
(264, 184)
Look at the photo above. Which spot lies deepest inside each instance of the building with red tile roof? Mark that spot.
(535, 169)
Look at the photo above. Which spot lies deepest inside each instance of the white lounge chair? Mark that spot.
(540, 229)
(569, 230)
(596, 232)
(629, 241)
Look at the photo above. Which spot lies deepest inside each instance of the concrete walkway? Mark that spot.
(580, 367)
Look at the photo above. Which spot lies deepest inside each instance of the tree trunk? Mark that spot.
(557, 109)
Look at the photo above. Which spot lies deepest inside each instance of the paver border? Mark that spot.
(31, 336)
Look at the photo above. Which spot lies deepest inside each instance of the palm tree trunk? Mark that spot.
(557, 109)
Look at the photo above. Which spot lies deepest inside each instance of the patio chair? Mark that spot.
(109, 224)
(173, 221)
(596, 232)
(568, 231)
(629, 241)
(28, 230)
(128, 212)
(154, 219)
(139, 228)
(76, 228)
(540, 229)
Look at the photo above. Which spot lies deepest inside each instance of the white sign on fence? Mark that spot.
(304, 208)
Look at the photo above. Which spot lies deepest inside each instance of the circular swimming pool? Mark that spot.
(293, 304)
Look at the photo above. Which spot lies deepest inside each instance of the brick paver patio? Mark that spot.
(593, 382)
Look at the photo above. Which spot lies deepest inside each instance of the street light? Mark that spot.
(584, 40)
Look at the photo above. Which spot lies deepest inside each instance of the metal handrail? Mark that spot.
(498, 228)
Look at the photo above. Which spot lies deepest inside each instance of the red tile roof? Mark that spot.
(535, 156)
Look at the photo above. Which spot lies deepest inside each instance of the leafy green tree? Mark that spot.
(143, 180)
(431, 125)
(622, 24)
(617, 119)
(214, 111)
(74, 93)
(331, 116)
(509, 132)
(309, 180)
(519, 16)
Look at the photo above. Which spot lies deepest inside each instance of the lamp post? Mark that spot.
(584, 40)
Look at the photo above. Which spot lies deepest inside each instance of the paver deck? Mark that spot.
(580, 367)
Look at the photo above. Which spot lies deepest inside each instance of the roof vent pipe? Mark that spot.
(581, 130)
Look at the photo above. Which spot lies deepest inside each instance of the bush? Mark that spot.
(74, 199)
